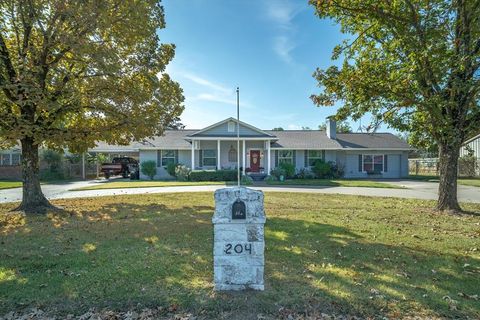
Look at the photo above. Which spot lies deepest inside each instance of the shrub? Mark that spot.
(182, 172)
(271, 178)
(305, 173)
(289, 169)
(171, 168)
(54, 161)
(277, 172)
(219, 175)
(337, 170)
(149, 168)
(322, 169)
(246, 180)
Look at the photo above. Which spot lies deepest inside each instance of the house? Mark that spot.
(377, 155)
(473, 144)
(10, 163)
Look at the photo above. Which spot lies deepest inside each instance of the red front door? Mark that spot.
(254, 160)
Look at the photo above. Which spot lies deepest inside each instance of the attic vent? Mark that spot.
(231, 126)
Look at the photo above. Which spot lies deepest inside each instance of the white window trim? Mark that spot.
(373, 163)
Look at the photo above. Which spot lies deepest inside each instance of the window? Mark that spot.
(168, 156)
(209, 158)
(5, 159)
(314, 156)
(285, 156)
(16, 159)
(231, 126)
(373, 163)
(232, 154)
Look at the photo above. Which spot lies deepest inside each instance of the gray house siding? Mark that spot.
(222, 130)
(475, 145)
(397, 164)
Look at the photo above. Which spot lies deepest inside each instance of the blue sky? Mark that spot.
(268, 48)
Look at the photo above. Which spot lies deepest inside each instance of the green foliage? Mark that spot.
(322, 169)
(278, 172)
(278, 129)
(271, 178)
(413, 65)
(149, 168)
(53, 159)
(218, 175)
(171, 168)
(182, 172)
(289, 169)
(305, 173)
(246, 180)
(87, 76)
(342, 127)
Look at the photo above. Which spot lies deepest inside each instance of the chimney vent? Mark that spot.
(331, 128)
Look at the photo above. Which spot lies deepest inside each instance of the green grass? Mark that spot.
(10, 184)
(474, 182)
(335, 183)
(469, 182)
(336, 254)
(146, 184)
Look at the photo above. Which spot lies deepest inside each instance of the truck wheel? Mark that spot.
(107, 176)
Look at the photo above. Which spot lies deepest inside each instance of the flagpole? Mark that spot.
(238, 137)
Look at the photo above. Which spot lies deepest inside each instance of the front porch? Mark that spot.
(253, 156)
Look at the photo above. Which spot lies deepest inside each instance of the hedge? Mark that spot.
(219, 175)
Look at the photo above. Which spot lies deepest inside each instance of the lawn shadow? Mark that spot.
(132, 256)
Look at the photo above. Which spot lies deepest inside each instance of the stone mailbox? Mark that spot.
(239, 244)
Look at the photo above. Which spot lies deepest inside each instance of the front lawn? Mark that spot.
(10, 184)
(145, 184)
(474, 182)
(335, 183)
(333, 254)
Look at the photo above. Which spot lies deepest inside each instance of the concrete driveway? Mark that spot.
(415, 190)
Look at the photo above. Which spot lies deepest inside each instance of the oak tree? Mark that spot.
(413, 64)
(74, 72)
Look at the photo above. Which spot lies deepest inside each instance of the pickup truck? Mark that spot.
(119, 166)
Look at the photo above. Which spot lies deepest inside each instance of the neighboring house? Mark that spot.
(378, 155)
(10, 163)
(474, 144)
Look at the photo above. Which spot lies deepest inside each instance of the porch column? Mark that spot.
(193, 155)
(268, 156)
(244, 157)
(218, 155)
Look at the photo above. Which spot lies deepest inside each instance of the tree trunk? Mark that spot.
(33, 200)
(447, 189)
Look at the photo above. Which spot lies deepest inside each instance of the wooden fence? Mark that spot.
(429, 167)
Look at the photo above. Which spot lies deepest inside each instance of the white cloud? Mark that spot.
(293, 127)
(283, 46)
(282, 13)
(207, 83)
(214, 98)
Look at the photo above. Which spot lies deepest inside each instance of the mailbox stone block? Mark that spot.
(239, 244)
